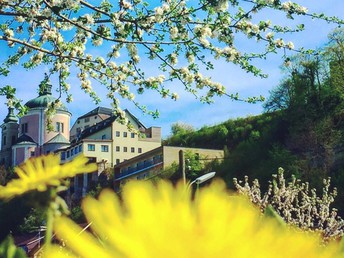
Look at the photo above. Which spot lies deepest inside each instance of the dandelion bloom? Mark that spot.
(41, 172)
(163, 221)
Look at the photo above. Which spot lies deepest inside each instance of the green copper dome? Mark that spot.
(44, 98)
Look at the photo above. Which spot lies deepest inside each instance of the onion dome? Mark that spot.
(44, 98)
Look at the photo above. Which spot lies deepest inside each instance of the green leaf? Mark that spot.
(4, 71)
(9, 250)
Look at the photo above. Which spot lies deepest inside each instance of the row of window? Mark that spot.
(103, 148)
(141, 165)
(125, 149)
(125, 134)
(59, 127)
(69, 153)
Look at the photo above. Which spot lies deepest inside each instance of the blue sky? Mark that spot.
(187, 109)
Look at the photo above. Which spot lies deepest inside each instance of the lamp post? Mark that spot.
(202, 179)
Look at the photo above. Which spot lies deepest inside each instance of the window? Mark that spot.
(139, 150)
(4, 140)
(91, 147)
(118, 134)
(24, 128)
(32, 153)
(125, 134)
(68, 154)
(59, 127)
(117, 161)
(63, 155)
(103, 136)
(132, 149)
(87, 119)
(117, 148)
(125, 149)
(132, 135)
(86, 126)
(104, 148)
(80, 148)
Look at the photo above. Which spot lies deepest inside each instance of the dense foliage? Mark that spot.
(301, 131)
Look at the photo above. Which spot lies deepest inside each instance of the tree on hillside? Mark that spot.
(118, 43)
(313, 82)
(181, 128)
(311, 98)
(334, 54)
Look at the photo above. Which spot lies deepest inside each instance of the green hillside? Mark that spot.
(301, 131)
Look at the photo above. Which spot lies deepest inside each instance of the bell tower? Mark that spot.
(9, 135)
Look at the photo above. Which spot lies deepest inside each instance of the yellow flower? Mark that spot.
(162, 221)
(41, 172)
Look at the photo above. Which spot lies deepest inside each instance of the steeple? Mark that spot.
(10, 116)
(45, 86)
(9, 135)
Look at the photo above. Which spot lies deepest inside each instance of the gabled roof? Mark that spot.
(105, 123)
(97, 127)
(59, 138)
(135, 119)
(98, 110)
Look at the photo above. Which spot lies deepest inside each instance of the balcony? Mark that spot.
(141, 167)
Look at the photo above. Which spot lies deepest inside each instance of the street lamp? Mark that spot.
(202, 179)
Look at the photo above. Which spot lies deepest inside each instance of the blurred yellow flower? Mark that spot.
(41, 172)
(162, 221)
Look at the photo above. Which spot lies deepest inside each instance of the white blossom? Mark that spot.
(20, 19)
(9, 33)
(279, 43)
(175, 96)
(173, 33)
(290, 45)
(89, 18)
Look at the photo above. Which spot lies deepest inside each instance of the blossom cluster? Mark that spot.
(175, 35)
(297, 204)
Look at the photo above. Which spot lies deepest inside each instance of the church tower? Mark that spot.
(34, 138)
(9, 134)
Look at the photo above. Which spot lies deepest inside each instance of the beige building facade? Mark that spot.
(108, 143)
(152, 163)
